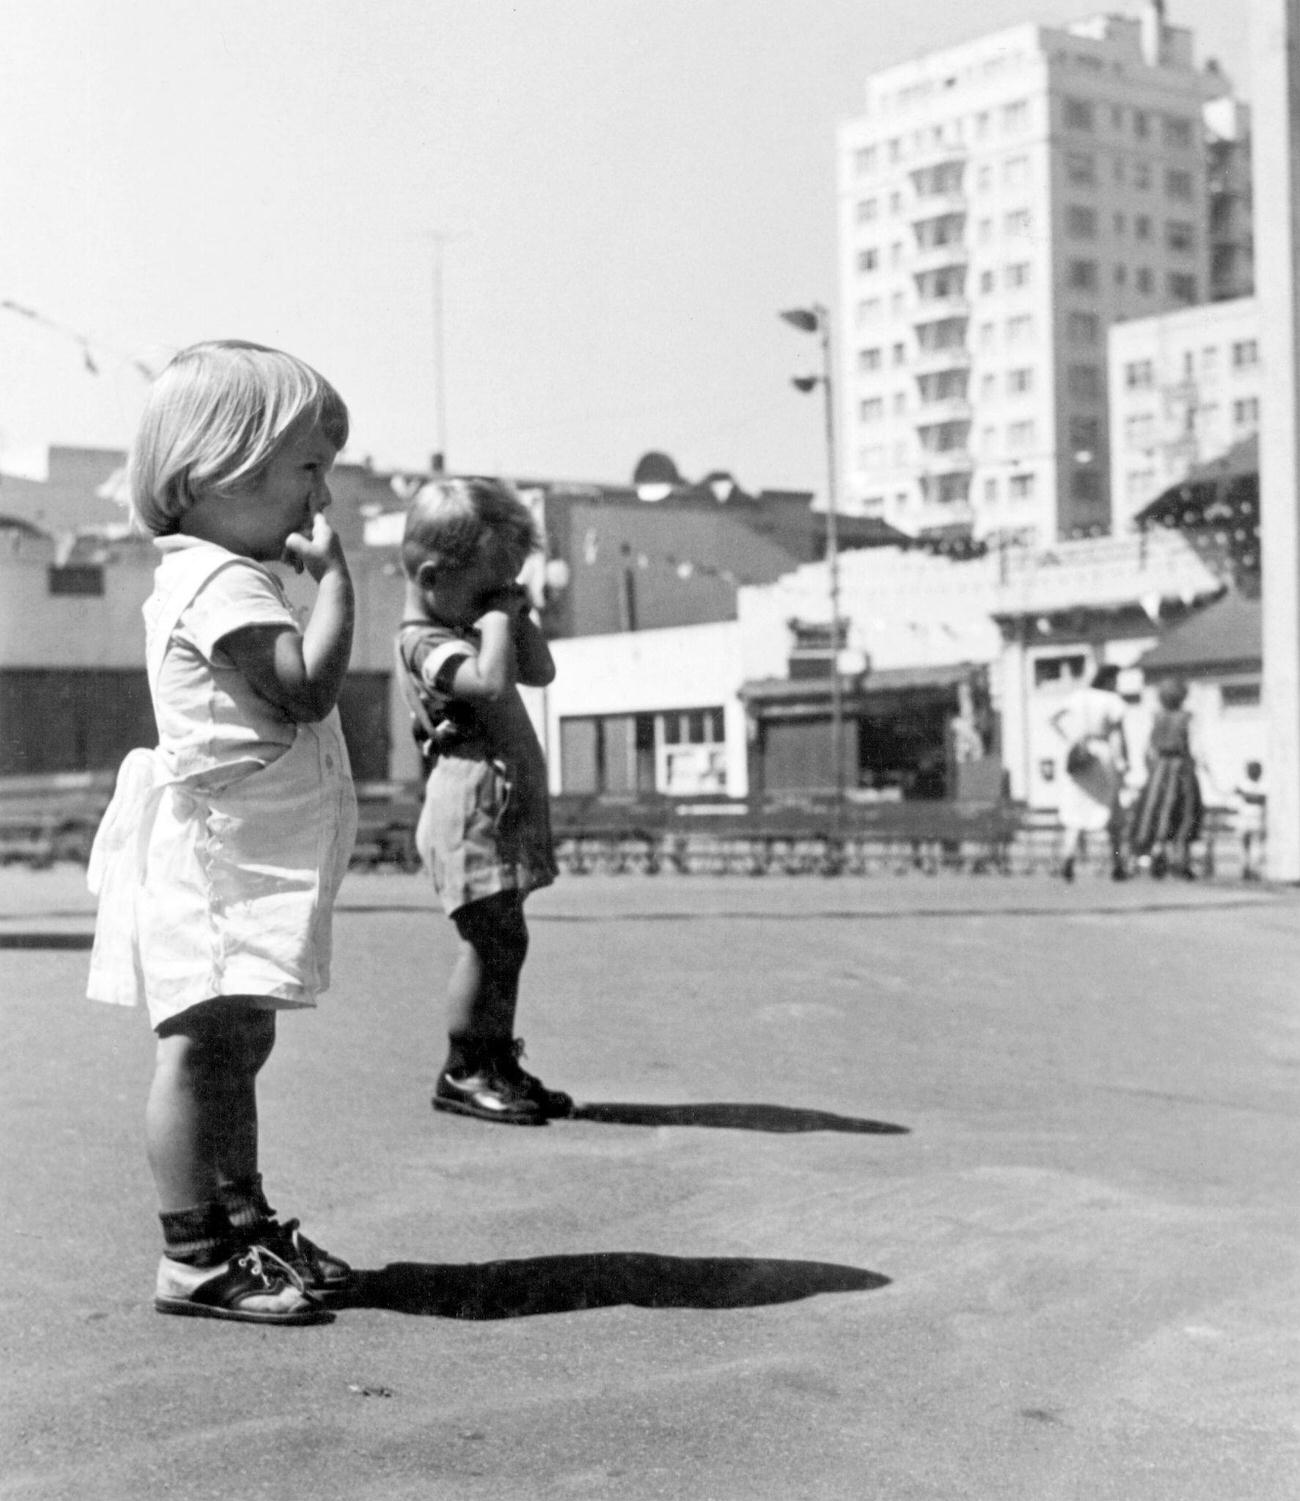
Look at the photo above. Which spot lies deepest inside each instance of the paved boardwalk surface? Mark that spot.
(919, 1189)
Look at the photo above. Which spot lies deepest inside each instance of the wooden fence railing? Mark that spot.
(48, 819)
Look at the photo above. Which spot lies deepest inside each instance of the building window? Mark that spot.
(1240, 695)
(1015, 116)
(1018, 222)
(1020, 329)
(1245, 413)
(1245, 352)
(1082, 275)
(1139, 484)
(1085, 485)
(1145, 280)
(868, 260)
(864, 160)
(1142, 176)
(1079, 113)
(867, 210)
(1081, 222)
(1082, 328)
(1179, 235)
(1020, 436)
(1015, 172)
(1139, 430)
(1060, 672)
(76, 578)
(1181, 287)
(1209, 360)
(1021, 487)
(1142, 226)
(1178, 184)
(678, 752)
(1177, 132)
(1083, 382)
(1018, 274)
(1139, 375)
(1020, 382)
(900, 354)
(1085, 435)
(868, 360)
(1081, 168)
(986, 281)
(871, 410)
(1141, 124)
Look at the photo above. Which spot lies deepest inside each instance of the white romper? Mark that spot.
(220, 855)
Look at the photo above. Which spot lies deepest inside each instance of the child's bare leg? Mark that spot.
(183, 1116)
(252, 1039)
(201, 1117)
(480, 1076)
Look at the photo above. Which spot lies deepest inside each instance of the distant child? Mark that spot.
(466, 640)
(1252, 800)
(220, 855)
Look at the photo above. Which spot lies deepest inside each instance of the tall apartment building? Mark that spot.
(1002, 203)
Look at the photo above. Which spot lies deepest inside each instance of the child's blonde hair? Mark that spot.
(214, 420)
(449, 518)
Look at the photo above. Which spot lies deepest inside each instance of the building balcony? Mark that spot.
(942, 154)
(948, 461)
(939, 257)
(936, 361)
(938, 309)
(944, 409)
(937, 205)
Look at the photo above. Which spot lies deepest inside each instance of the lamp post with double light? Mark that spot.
(815, 319)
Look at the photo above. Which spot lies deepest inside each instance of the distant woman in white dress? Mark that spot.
(1091, 726)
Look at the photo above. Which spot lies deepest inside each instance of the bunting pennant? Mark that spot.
(88, 346)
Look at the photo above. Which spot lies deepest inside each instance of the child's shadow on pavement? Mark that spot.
(569, 1284)
(740, 1117)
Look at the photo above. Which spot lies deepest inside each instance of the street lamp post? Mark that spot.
(815, 319)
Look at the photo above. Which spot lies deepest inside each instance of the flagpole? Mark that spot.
(1275, 33)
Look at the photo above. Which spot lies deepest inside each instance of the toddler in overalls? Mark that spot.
(218, 860)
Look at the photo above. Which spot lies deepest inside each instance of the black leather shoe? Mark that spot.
(553, 1103)
(488, 1095)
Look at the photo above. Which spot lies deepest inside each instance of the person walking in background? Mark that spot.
(217, 862)
(1252, 800)
(466, 641)
(1167, 816)
(1091, 725)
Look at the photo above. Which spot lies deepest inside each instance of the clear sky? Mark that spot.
(628, 191)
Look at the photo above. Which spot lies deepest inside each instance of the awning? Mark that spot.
(1216, 507)
(774, 698)
(1226, 636)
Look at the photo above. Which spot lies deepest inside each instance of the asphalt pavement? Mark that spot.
(952, 1188)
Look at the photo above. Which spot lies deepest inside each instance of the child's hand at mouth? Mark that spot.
(315, 553)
